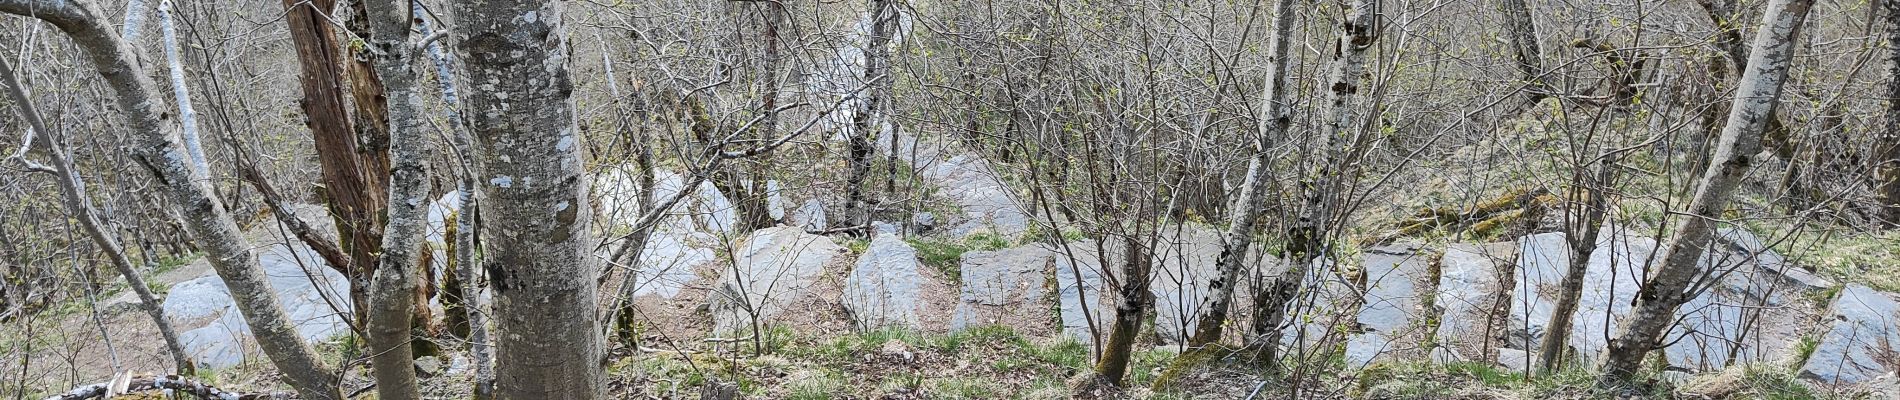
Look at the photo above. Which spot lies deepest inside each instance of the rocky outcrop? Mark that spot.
(1471, 282)
(1392, 315)
(966, 180)
(810, 216)
(1184, 263)
(886, 287)
(772, 268)
(1003, 287)
(1741, 318)
(1861, 341)
(1079, 288)
(314, 296)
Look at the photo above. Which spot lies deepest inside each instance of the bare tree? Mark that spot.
(1241, 217)
(1307, 236)
(1669, 285)
(205, 216)
(73, 193)
(536, 211)
(864, 121)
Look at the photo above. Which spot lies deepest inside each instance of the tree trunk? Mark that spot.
(361, 227)
(1741, 139)
(863, 122)
(1306, 237)
(1245, 212)
(536, 211)
(1130, 305)
(395, 284)
(187, 116)
(1583, 241)
(1522, 27)
(206, 219)
(73, 192)
(1887, 140)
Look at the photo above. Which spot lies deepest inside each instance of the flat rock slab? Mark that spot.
(1732, 322)
(1079, 288)
(1184, 264)
(1861, 341)
(773, 268)
(1470, 284)
(969, 181)
(1004, 287)
(314, 296)
(885, 288)
(1398, 280)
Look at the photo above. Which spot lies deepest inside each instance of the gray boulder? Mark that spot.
(1184, 264)
(1469, 285)
(773, 268)
(884, 289)
(1003, 287)
(1861, 341)
(1393, 310)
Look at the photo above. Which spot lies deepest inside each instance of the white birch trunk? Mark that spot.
(1244, 212)
(187, 115)
(1668, 284)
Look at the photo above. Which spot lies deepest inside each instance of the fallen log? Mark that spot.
(173, 384)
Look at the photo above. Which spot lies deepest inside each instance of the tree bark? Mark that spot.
(393, 289)
(187, 116)
(206, 219)
(1593, 187)
(1522, 27)
(359, 213)
(1245, 212)
(73, 191)
(1667, 286)
(535, 209)
(1887, 142)
(467, 220)
(863, 122)
(1131, 305)
(1306, 236)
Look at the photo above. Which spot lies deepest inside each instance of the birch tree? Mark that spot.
(206, 219)
(1307, 236)
(514, 56)
(864, 121)
(73, 193)
(1669, 284)
(1244, 213)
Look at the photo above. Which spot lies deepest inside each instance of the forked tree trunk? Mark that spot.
(1667, 286)
(535, 206)
(73, 191)
(205, 217)
(1306, 237)
(1245, 211)
(1585, 223)
(395, 284)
